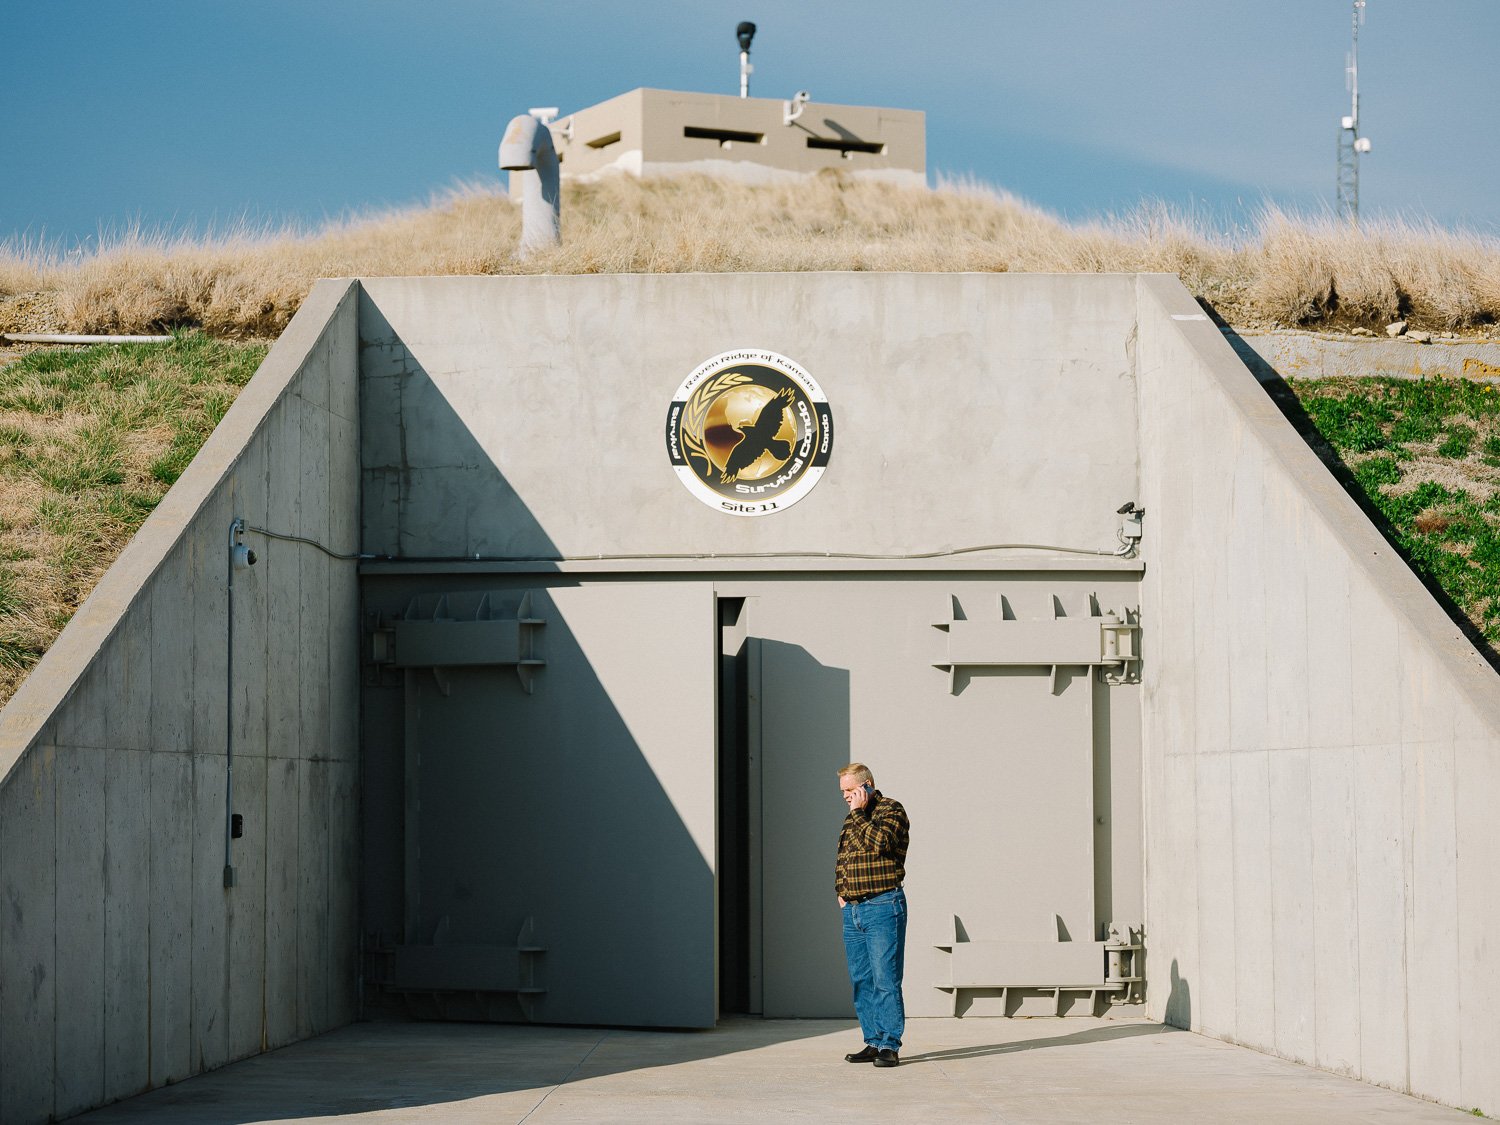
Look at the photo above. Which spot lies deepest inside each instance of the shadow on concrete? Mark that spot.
(804, 739)
(373, 1068)
(553, 816)
(1104, 843)
(417, 459)
(526, 856)
(1179, 1001)
(429, 489)
(1248, 355)
(1091, 1035)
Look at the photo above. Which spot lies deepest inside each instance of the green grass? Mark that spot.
(90, 440)
(1426, 455)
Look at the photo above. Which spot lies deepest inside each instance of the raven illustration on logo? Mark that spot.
(760, 437)
(749, 432)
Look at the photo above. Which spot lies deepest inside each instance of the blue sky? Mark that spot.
(188, 115)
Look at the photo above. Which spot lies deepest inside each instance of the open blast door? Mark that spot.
(559, 834)
(1001, 713)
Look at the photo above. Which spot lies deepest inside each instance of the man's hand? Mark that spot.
(842, 903)
(856, 798)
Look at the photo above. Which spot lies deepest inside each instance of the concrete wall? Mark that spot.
(124, 962)
(1292, 354)
(1322, 751)
(541, 404)
(508, 421)
(660, 132)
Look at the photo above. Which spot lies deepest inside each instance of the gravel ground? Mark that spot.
(29, 312)
(26, 312)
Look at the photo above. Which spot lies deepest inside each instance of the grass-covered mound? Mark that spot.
(1425, 456)
(1284, 271)
(90, 441)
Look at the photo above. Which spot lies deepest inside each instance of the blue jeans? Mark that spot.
(875, 945)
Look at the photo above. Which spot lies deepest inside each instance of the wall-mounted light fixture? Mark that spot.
(744, 33)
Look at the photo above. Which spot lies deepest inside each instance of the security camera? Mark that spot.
(792, 110)
(241, 557)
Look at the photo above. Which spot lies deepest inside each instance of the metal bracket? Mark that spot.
(1121, 658)
(1039, 966)
(529, 954)
(1123, 949)
(444, 631)
(446, 966)
(1093, 639)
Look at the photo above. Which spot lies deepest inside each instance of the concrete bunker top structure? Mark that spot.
(649, 132)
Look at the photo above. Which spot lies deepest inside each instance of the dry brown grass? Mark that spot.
(1325, 272)
(1288, 272)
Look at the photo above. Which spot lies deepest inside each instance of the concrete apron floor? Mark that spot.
(750, 1070)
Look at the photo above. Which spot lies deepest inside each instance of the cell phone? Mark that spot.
(869, 788)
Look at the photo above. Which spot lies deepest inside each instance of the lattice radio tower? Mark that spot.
(1351, 144)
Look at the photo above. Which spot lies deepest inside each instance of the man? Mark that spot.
(867, 880)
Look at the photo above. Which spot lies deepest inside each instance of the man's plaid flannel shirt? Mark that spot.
(872, 849)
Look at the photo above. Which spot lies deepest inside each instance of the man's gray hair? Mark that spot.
(859, 771)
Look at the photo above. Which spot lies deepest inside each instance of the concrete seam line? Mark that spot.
(946, 552)
(566, 1078)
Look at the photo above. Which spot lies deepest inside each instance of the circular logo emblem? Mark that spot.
(749, 432)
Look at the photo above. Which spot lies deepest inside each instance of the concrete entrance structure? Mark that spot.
(1289, 791)
(661, 132)
(472, 486)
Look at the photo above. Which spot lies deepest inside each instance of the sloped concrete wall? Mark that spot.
(1322, 751)
(124, 962)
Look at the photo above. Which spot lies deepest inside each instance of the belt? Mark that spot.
(868, 897)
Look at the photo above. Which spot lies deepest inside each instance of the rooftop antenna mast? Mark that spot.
(744, 33)
(1351, 144)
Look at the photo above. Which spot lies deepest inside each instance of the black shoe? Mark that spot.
(869, 1054)
(887, 1057)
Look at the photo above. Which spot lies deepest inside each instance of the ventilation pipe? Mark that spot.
(74, 338)
(527, 151)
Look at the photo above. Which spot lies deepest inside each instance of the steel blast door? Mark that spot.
(996, 777)
(572, 829)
